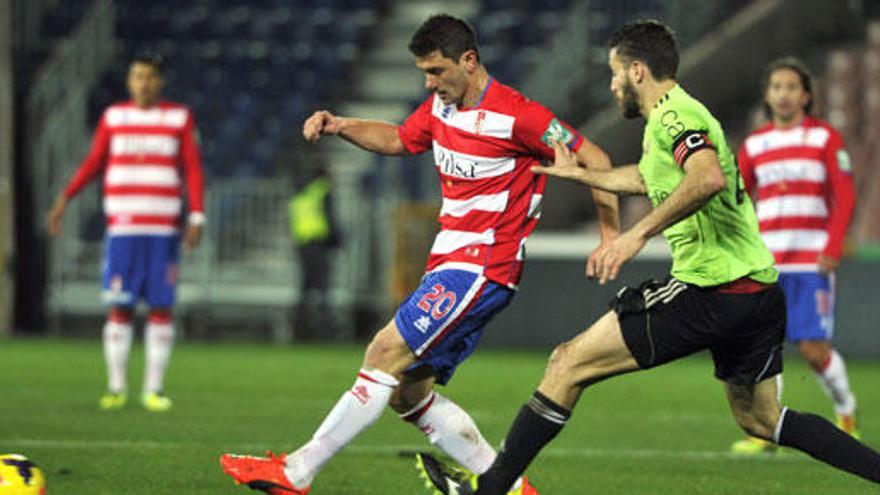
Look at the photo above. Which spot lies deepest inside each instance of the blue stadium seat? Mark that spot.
(250, 69)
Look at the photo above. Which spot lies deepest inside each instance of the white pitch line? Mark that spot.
(554, 452)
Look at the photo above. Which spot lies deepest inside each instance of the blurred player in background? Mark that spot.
(145, 149)
(801, 172)
(721, 295)
(485, 138)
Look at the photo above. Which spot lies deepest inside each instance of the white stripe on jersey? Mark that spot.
(130, 229)
(480, 202)
(535, 206)
(790, 170)
(142, 175)
(167, 117)
(459, 265)
(792, 206)
(144, 144)
(815, 137)
(795, 239)
(448, 241)
(481, 122)
(521, 251)
(797, 267)
(141, 204)
(467, 166)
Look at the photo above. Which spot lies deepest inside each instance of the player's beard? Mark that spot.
(629, 101)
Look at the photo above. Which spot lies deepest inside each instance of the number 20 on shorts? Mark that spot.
(439, 302)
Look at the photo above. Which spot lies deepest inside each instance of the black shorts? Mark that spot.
(665, 321)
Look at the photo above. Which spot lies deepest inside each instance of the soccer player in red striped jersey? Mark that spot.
(145, 150)
(800, 171)
(485, 137)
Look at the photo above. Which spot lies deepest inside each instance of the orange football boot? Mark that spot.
(260, 473)
(527, 488)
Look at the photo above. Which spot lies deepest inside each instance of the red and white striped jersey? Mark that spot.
(145, 155)
(805, 192)
(484, 155)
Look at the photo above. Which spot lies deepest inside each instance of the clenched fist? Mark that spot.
(320, 123)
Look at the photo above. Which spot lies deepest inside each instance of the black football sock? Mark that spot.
(822, 440)
(538, 422)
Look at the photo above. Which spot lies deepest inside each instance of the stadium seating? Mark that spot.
(250, 70)
(63, 17)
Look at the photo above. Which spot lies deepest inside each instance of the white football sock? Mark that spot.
(356, 410)
(159, 338)
(450, 428)
(835, 383)
(117, 346)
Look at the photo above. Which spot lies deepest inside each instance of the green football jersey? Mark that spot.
(720, 242)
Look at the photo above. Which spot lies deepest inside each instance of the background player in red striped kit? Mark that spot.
(485, 137)
(145, 150)
(800, 170)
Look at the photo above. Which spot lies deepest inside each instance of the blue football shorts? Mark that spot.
(809, 298)
(443, 320)
(141, 267)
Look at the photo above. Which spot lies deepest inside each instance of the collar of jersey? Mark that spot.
(663, 99)
(482, 96)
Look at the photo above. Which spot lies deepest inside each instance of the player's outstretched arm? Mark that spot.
(618, 180)
(594, 158)
(607, 206)
(703, 179)
(371, 135)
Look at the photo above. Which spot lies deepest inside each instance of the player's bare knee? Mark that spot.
(559, 360)
(815, 353)
(566, 366)
(121, 314)
(817, 361)
(380, 350)
(388, 352)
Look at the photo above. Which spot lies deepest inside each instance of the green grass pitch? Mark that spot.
(660, 432)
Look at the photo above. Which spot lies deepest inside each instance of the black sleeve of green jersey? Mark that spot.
(689, 142)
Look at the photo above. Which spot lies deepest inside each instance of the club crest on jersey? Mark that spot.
(556, 132)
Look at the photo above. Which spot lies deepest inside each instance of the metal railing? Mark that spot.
(245, 268)
(56, 105)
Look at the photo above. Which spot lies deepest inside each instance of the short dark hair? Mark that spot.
(651, 42)
(152, 59)
(793, 64)
(451, 35)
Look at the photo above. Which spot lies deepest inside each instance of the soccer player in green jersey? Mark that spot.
(721, 294)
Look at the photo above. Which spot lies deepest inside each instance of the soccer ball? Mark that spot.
(20, 476)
